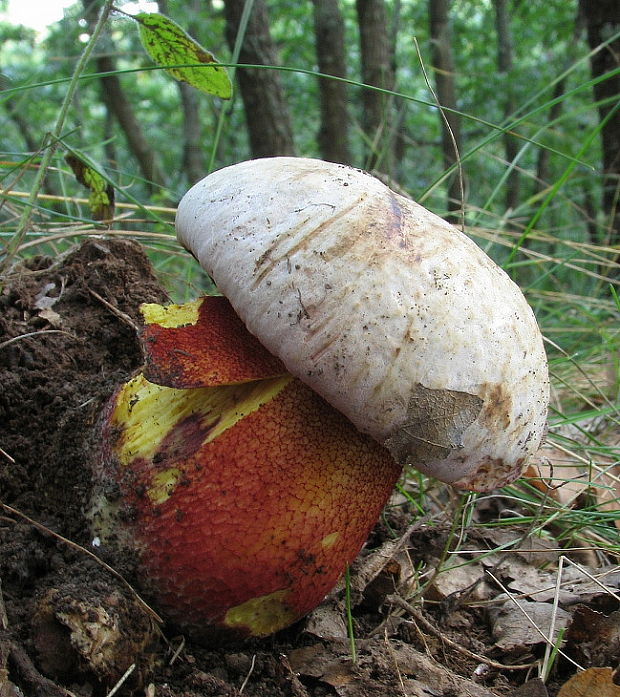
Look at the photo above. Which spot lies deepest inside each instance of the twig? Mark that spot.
(29, 674)
(115, 311)
(4, 620)
(247, 677)
(88, 553)
(371, 566)
(123, 677)
(4, 453)
(178, 651)
(419, 618)
(8, 342)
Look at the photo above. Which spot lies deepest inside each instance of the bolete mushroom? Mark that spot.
(393, 316)
(242, 470)
(237, 492)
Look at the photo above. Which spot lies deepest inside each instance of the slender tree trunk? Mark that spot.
(32, 144)
(193, 147)
(329, 42)
(400, 108)
(542, 167)
(590, 209)
(109, 146)
(193, 161)
(23, 126)
(266, 110)
(443, 67)
(377, 70)
(504, 65)
(544, 156)
(602, 18)
(117, 103)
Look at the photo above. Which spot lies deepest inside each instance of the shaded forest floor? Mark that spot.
(427, 622)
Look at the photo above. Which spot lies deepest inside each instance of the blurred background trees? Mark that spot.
(516, 102)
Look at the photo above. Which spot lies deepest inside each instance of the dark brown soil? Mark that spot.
(70, 625)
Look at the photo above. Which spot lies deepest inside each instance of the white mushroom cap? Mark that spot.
(392, 315)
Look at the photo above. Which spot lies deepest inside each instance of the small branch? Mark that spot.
(115, 311)
(124, 677)
(4, 453)
(8, 342)
(418, 618)
(4, 619)
(27, 671)
(247, 677)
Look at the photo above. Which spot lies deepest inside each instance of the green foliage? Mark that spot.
(171, 47)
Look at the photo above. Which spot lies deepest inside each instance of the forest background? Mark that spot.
(529, 97)
(500, 115)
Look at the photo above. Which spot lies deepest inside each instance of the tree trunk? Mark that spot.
(193, 162)
(544, 155)
(32, 144)
(504, 65)
(116, 102)
(443, 67)
(377, 70)
(329, 42)
(602, 18)
(266, 110)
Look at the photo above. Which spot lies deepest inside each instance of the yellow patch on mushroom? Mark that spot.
(147, 413)
(163, 484)
(262, 616)
(171, 316)
(330, 540)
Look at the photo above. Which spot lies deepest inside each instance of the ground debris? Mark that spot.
(404, 669)
(434, 612)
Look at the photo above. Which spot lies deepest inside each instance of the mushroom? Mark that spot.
(242, 470)
(396, 318)
(237, 493)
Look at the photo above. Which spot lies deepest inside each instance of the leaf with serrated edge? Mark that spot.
(169, 45)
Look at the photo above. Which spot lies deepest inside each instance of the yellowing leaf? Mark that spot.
(101, 198)
(593, 681)
(170, 46)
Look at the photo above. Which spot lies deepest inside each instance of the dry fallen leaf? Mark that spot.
(458, 577)
(415, 673)
(532, 688)
(565, 473)
(608, 493)
(593, 638)
(326, 621)
(558, 472)
(515, 628)
(593, 681)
